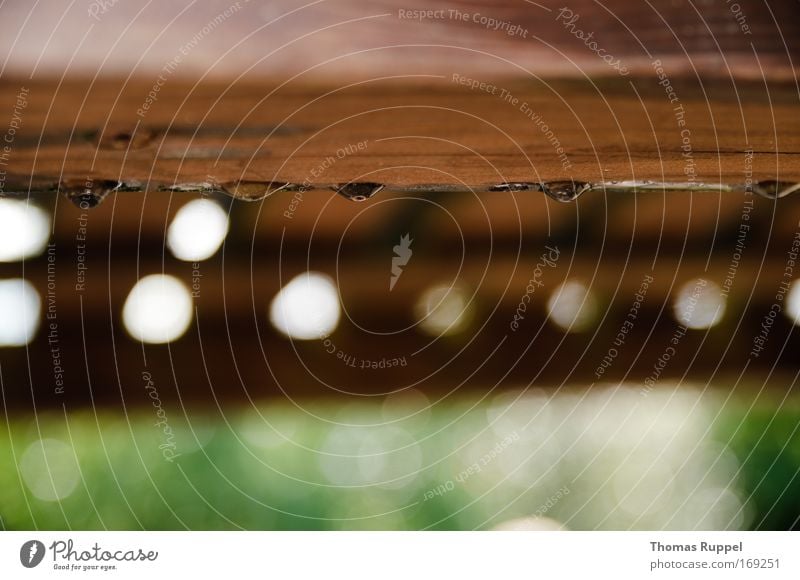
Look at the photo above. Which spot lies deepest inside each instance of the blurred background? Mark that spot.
(247, 281)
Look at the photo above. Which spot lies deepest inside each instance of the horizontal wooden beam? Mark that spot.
(251, 140)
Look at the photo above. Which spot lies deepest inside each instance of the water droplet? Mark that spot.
(514, 187)
(772, 189)
(256, 190)
(358, 191)
(565, 191)
(88, 193)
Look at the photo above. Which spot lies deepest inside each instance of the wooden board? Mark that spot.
(406, 135)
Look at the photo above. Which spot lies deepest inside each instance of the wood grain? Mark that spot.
(441, 132)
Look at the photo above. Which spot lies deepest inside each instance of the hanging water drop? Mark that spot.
(565, 191)
(772, 189)
(358, 191)
(89, 193)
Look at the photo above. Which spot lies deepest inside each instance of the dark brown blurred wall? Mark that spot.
(223, 38)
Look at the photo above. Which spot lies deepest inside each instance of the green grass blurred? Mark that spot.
(606, 458)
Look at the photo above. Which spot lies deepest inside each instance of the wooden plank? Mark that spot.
(384, 132)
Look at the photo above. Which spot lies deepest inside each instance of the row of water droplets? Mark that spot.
(90, 193)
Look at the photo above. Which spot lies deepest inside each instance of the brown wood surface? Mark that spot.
(436, 133)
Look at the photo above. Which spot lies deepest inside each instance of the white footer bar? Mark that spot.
(401, 555)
